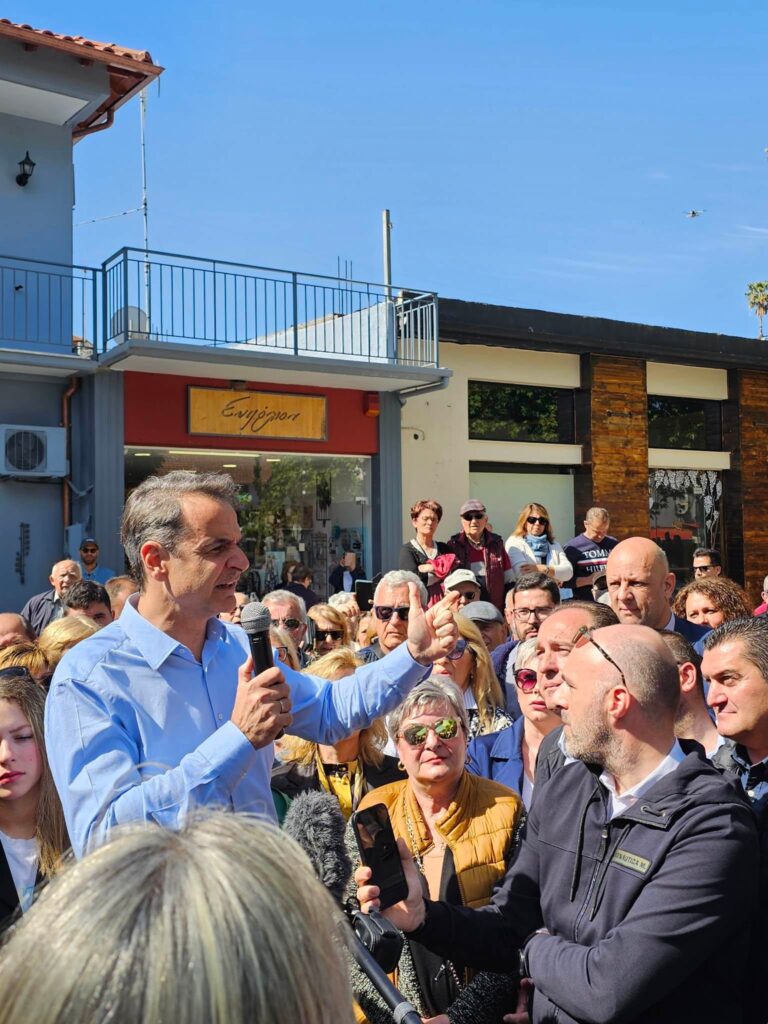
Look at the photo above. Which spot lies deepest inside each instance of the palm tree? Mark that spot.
(757, 299)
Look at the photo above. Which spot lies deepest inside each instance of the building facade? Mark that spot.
(665, 428)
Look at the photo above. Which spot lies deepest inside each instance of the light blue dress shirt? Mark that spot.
(138, 730)
(98, 575)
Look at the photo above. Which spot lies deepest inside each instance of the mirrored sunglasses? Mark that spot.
(526, 679)
(444, 729)
(458, 650)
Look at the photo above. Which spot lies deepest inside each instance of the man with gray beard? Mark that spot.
(631, 895)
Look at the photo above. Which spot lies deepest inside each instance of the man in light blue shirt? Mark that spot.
(159, 713)
(89, 562)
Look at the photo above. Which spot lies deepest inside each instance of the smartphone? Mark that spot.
(378, 851)
(364, 594)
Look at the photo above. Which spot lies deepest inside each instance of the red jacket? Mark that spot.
(494, 556)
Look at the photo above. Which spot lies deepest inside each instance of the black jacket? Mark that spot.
(648, 914)
(40, 610)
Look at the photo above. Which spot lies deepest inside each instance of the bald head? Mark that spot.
(64, 574)
(640, 583)
(649, 666)
(14, 629)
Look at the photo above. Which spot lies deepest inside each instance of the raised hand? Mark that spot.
(262, 704)
(432, 633)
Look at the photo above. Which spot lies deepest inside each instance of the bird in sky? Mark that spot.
(693, 213)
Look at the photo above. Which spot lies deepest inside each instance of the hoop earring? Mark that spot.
(401, 766)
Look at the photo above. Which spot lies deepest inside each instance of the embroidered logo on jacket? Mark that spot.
(631, 861)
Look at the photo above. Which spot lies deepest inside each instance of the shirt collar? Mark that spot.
(740, 756)
(630, 796)
(670, 626)
(154, 645)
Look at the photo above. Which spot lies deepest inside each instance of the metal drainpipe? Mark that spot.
(414, 392)
(66, 496)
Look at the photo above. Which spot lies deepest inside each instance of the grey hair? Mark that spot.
(765, 583)
(401, 578)
(596, 513)
(435, 690)
(222, 921)
(343, 597)
(753, 635)
(525, 653)
(154, 511)
(283, 597)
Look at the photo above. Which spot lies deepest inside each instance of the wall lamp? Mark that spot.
(26, 166)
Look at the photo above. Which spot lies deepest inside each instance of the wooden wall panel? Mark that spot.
(618, 442)
(752, 468)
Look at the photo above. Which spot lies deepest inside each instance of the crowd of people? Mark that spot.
(572, 749)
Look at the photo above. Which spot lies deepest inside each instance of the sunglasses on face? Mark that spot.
(386, 611)
(702, 568)
(542, 520)
(458, 650)
(334, 634)
(89, 551)
(469, 516)
(526, 679)
(288, 623)
(584, 636)
(444, 729)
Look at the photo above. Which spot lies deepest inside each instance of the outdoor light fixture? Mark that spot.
(26, 166)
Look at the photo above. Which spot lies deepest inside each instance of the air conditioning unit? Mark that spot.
(30, 452)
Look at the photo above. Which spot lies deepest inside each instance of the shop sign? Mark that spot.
(256, 414)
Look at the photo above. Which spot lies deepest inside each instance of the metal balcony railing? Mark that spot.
(172, 298)
(49, 307)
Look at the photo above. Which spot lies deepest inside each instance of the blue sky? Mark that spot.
(534, 154)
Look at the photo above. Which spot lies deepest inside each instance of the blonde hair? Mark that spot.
(483, 682)
(50, 830)
(533, 508)
(334, 666)
(59, 636)
(27, 654)
(282, 638)
(220, 922)
(331, 614)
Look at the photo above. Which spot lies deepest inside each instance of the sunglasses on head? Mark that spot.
(469, 516)
(16, 671)
(334, 634)
(526, 679)
(542, 520)
(445, 729)
(584, 636)
(288, 623)
(386, 611)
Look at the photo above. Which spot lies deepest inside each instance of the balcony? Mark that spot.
(167, 313)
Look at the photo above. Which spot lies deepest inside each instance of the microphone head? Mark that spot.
(316, 823)
(255, 618)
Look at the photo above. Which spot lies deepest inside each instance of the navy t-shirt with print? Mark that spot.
(588, 557)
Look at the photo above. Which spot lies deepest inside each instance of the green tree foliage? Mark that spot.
(513, 412)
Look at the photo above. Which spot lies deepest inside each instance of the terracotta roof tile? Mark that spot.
(41, 35)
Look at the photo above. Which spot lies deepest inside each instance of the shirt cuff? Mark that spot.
(230, 753)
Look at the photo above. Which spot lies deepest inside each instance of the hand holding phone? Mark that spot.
(378, 851)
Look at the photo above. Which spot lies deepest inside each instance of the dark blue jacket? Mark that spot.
(499, 756)
(648, 913)
(692, 633)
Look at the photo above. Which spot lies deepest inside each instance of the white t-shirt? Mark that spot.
(22, 857)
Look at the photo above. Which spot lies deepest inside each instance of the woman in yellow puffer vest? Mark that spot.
(461, 830)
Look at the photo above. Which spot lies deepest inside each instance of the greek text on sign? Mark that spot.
(226, 413)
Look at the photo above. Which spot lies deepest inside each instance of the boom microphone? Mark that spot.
(315, 822)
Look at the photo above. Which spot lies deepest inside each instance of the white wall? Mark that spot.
(687, 381)
(505, 494)
(436, 449)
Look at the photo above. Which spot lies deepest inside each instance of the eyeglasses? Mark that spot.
(530, 613)
(288, 623)
(584, 636)
(458, 650)
(444, 729)
(469, 516)
(334, 634)
(542, 520)
(526, 679)
(16, 672)
(386, 611)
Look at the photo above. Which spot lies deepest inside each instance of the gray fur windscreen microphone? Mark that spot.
(256, 620)
(316, 823)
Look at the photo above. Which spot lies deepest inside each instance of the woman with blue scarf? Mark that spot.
(532, 546)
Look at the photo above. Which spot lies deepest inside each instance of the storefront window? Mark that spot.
(518, 412)
(685, 512)
(684, 423)
(304, 508)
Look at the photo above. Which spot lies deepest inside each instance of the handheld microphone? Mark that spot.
(256, 620)
(315, 822)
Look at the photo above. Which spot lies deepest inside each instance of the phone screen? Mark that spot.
(378, 851)
(364, 594)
